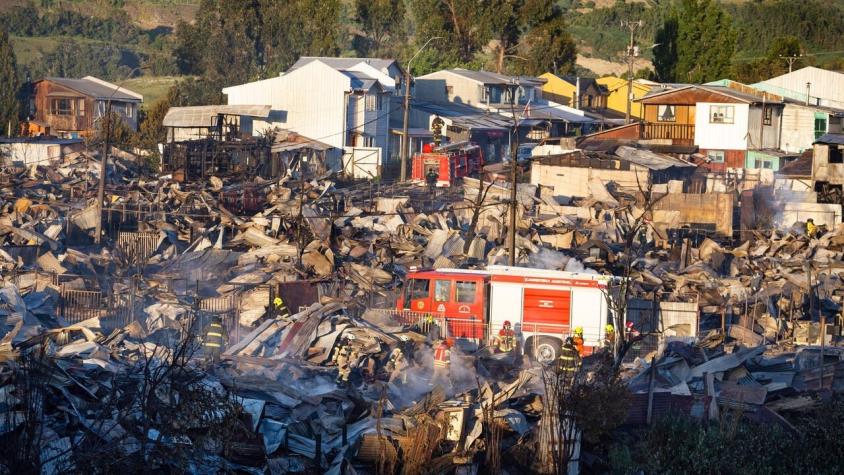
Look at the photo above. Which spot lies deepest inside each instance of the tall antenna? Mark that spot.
(632, 54)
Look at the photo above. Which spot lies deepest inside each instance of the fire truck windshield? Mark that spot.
(417, 289)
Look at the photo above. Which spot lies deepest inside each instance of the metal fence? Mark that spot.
(138, 245)
(79, 305)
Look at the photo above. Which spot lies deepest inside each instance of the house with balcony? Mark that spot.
(616, 88)
(509, 96)
(346, 106)
(71, 108)
(723, 122)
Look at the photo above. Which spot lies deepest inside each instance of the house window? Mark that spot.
(768, 115)
(465, 292)
(81, 107)
(61, 107)
(371, 103)
(820, 127)
(665, 113)
(721, 114)
(492, 95)
(763, 164)
(715, 156)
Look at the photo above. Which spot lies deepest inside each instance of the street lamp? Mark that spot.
(104, 157)
(405, 144)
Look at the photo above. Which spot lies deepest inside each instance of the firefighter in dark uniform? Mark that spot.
(214, 339)
(569, 360)
(431, 178)
(437, 129)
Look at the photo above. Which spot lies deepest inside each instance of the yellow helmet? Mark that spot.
(609, 328)
(578, 330)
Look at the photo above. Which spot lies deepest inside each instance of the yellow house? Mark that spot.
(617, 89)
(561, 89)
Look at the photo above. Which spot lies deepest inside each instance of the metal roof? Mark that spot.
(487, 77)
(203, 116)
(832, 139)
(648, 159)
(345, 63)
(722, 90)
(97, 88)
(360, 80)
(544, 111)
(465, 116)
(286, 140)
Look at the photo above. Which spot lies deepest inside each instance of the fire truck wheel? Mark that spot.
(546, 349)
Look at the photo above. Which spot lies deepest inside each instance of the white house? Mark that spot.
(810, 84)
(348, 109)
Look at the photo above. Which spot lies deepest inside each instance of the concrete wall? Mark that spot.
(720, 136)
(574, 181)
(707, 208)
(41, 153)
(821, 213)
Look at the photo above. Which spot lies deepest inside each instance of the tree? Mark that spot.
(381, 21)
(705, 42)
(551, 48)
(695, 43)
(665, 51)
(9, 106)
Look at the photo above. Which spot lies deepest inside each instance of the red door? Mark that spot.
(546, 311)
(465, 305)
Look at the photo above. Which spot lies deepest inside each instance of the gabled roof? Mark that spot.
(346, 63)
(744, 96)
(361, 81)
(585, 83)
(97, 88)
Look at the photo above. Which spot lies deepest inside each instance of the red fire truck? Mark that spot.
(544, 307)
(451, 162)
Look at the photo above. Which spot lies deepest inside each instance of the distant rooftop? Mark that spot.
(343, 63)
(97, 88)
(487, 77)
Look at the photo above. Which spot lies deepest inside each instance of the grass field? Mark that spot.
(152, 87)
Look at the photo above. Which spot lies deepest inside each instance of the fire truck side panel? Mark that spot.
(505, 303)
(545, 310)
(589, 310)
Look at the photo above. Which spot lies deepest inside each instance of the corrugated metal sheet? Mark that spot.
(203, 116)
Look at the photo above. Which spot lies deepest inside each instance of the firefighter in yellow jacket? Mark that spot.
(214, 339)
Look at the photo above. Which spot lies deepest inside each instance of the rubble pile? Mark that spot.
(107, 348)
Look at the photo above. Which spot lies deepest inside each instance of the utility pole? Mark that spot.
(104, 159)
(514, 148)
(103, 163)
(790, 59)
(405, 139)
(632, 53)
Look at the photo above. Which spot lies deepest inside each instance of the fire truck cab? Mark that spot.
(451, 162)
(543, 306)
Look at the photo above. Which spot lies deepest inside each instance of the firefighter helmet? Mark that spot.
(609, 328)
(578, 330)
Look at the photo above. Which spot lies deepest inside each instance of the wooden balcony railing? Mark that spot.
(680, 132)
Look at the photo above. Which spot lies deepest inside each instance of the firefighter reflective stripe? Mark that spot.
(568, 359)
(214, 336)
